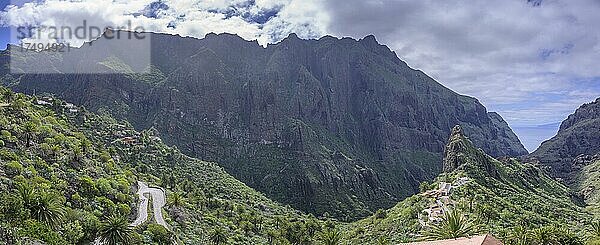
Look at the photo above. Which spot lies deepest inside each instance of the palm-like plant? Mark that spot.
(544, 236)
(219, 236)
(453, 225)
(382, 241)
(115, 230)
(27, 194)
(519, 236)
(331, 237)
(176, 200)
(47, 208)
(595, 232)
(7, 95)
(272, 235)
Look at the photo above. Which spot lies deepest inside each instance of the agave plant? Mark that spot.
(453, 225)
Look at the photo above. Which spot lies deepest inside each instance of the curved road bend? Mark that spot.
(158, 202)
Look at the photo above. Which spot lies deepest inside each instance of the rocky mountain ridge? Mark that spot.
(577, 138)
(336, 127)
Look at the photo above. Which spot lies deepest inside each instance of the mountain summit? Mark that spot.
(338, 127)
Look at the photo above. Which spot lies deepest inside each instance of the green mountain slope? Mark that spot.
(280, 118)
(496, 194)
(56, 184)
(83, 168)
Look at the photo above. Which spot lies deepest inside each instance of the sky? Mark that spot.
(532, 61)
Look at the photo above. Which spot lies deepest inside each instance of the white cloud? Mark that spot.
(507, 53)
(193, 18)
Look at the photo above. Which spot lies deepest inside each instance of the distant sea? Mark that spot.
(533, 136)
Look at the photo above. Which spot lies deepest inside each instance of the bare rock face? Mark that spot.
(456, 146)
(331, 125)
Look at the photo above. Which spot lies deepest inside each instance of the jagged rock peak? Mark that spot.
(461, 152)
(457, 144)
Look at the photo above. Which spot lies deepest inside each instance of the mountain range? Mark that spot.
(333, 127)
(299, 142)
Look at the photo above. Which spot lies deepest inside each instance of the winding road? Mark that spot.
(158, 202)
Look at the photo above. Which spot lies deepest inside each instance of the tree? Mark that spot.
(27, 194)
(553, 235)
(331, 237)
(30, 128)
(423, 186)
(453, 225)
(272, 235)
(7, 95)
(544, 236)
(486, 213)
(115, 230)
(218, 236)
(382, 241)
(312, 227)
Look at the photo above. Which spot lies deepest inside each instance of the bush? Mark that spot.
(380, 214)
(13, 168)
(159, 234)
(36, 230)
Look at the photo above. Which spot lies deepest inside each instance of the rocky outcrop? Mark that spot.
(331, 125)
(460, 151)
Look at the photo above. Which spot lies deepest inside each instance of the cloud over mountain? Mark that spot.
(521, 58)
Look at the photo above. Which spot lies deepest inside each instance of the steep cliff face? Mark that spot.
(579, 135)
(331, 125)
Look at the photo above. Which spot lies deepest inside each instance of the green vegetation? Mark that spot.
(69, 178)
(115, 231)
(453, 225)
(56, 185)
(516, 202)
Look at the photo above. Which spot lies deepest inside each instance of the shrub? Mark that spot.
(13, 168)
(159, 234)
(380, 214)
